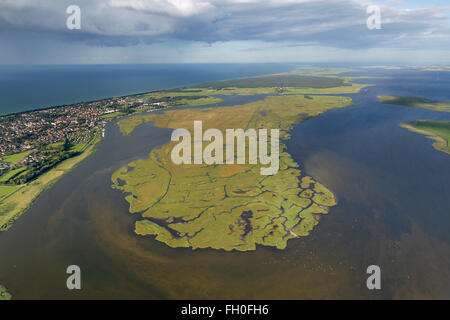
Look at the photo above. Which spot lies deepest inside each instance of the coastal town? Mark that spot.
(34, 141)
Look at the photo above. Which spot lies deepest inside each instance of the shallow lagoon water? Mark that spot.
(393, 211)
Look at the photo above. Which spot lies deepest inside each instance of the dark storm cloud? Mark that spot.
(340, 24)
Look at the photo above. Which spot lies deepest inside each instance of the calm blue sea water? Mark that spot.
(29, 87)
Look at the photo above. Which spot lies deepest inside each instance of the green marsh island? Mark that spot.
(439, 131)
(4, 295)
(416, 102)
(232, 206)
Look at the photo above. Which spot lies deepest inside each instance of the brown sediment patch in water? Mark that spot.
(156, 271)
(335, 172)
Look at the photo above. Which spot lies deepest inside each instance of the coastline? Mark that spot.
(121, 80)
(352, 88)
(439, 144)
(80, 102)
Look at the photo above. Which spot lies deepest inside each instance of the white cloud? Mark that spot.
(334, 23)
(180, 8)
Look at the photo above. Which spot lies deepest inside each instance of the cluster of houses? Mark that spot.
(20, 132)
(26, 131)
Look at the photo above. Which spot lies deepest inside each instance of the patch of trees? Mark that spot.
(183, 90)
(174, 99)
(295, 81)
(53, 154)
(126, 110)
(409, 101)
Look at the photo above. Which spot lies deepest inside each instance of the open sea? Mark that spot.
(25, 88)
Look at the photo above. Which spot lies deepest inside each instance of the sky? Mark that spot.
(411, 32)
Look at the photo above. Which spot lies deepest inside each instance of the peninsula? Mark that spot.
(439, 131)
(230, 207)
(416, 102)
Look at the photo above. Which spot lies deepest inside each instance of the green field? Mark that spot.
(79, 147)
(439, 131)
(199, 102)
(6, 190)
(416, 102)
(15, 158)
(12, 173)
(112, 115)
(181, 97)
